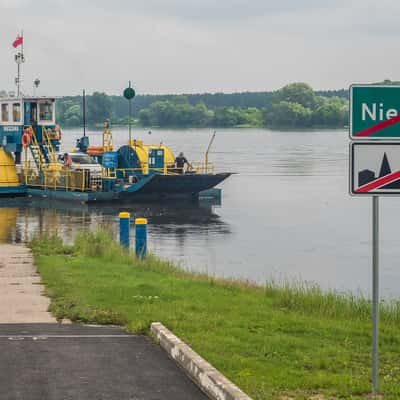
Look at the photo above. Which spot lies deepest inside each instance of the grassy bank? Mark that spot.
(272, 342)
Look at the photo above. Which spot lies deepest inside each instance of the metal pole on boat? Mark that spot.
(18, 78)
(19, 59)
(208, 149)
(130, 116)
(19, 64)
(129, 94)
(84, 112)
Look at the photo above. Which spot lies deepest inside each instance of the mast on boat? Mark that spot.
(19, 59)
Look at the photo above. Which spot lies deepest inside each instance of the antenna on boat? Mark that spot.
(208, 150)
(19, 59)
(84, 112)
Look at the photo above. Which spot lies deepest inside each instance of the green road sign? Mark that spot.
(374, 112)
(129, 93)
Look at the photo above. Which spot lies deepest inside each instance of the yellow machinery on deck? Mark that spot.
(8, 171)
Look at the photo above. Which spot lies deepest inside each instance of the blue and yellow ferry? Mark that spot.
(30, 142)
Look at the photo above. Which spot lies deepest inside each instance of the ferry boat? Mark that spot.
(30, 161)
(30, 143)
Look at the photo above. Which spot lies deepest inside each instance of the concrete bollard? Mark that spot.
(141, 237)
(124, 229)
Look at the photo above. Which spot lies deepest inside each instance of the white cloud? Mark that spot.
(13, 4)
(188, 45)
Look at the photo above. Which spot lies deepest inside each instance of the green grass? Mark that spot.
(272, 341)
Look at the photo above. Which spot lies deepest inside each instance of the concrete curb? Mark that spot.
(210, 380)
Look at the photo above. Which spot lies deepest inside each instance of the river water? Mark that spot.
(286, 214)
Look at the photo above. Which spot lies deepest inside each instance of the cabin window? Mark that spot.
(46, 111)
(16, 110)
(4, 113)
(33, 115)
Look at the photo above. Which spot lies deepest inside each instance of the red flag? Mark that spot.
(18, 41)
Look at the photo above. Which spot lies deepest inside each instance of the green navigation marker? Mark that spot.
(374, 112)
(129, 93)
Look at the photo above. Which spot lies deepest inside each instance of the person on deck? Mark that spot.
(67, 160)
(180, 162)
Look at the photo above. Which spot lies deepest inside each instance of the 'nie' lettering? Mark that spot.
(377, 112)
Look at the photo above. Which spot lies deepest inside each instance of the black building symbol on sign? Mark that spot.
(365, 176)
(385, 167)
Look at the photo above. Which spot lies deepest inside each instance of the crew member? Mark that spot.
(180, 162)
(67, 160)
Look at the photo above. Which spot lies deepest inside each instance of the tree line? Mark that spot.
(296, 105)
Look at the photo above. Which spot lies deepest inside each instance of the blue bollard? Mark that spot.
(124, 229)
(141, 237)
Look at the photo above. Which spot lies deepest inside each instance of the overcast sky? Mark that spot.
(183, 46)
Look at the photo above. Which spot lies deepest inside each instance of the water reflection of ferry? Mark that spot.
(21, 218)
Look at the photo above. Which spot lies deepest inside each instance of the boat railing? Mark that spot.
(37, 152)
(56, 177)
(163, 171)
(49, 135)
(126, 172)
(196, 167)
(63, 179)
(203, 167)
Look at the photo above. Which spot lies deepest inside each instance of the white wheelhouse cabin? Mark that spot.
(17, 114)
(27, 111)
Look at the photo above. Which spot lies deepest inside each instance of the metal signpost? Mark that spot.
(19, 59)
(375, 171)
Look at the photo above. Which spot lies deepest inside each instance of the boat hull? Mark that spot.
(153, 188)
(174, 186)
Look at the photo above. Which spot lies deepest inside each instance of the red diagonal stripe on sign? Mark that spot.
(377, 183)
(378, 127)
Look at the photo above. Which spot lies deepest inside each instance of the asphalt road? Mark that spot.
(62, 362)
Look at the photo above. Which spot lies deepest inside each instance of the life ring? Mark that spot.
(28, 131)
(26, 139)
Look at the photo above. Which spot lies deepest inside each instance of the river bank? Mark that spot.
(271, 341)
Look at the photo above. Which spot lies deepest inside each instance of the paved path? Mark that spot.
(76, 362)
(21, 293)
(43, 360)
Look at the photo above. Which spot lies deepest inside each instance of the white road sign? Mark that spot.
(374, 168)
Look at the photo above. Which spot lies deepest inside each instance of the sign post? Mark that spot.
(375, 294)
(375, 171)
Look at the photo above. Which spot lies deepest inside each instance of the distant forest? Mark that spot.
(295, 105)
